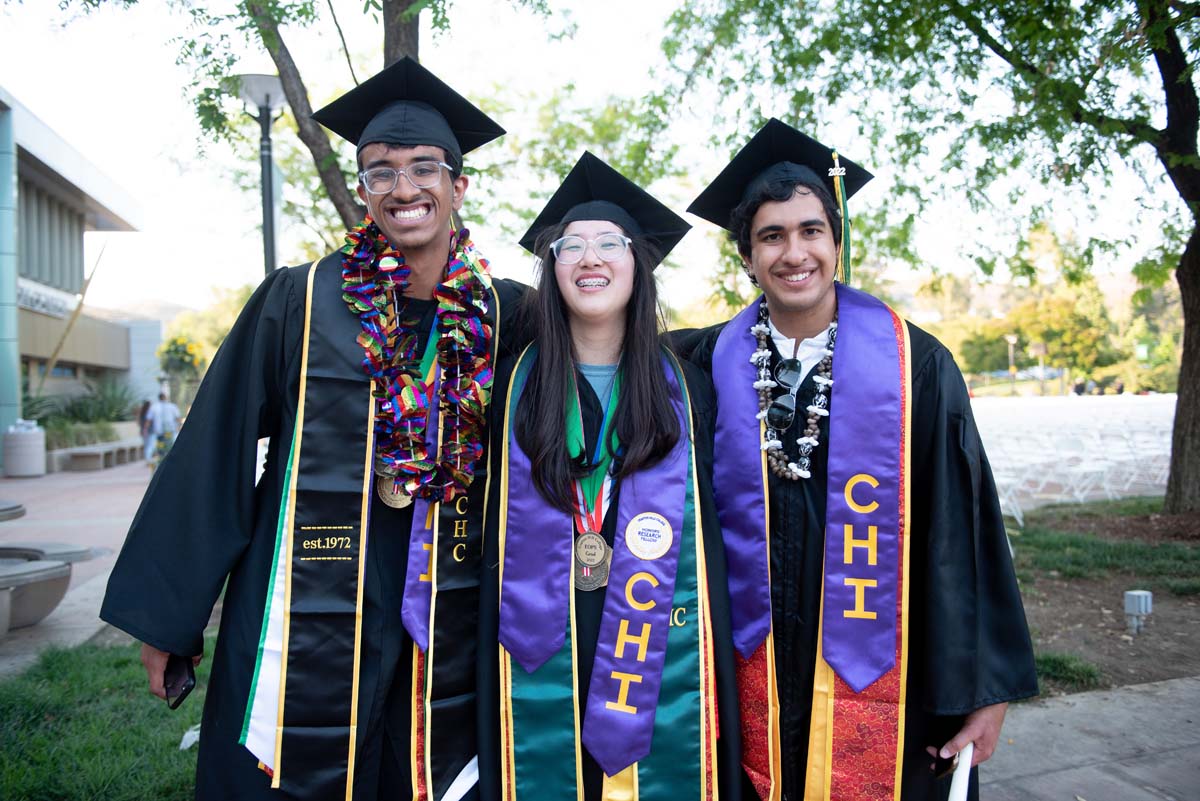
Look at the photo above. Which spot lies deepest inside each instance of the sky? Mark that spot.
(108, 84)
(125, 109)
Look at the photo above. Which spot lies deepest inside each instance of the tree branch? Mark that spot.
(342, 36)
(1106, 124)
(311, 133)
(1178, 151)
(401, 29)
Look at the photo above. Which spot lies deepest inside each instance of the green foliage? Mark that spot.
(60, 720)
(521, 172)
(62, 433)
(1068, 671)
(208, 327)
(37, 408)
(997, 106)
(104, 401)
(181, 356)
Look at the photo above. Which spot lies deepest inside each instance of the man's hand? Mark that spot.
(155, 662)
(981, 727)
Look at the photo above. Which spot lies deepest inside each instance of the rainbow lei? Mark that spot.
(371, 271)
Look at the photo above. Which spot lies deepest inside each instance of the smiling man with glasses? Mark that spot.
(874, 606)
(345, 662)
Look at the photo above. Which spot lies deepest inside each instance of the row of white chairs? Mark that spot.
(1056, 450)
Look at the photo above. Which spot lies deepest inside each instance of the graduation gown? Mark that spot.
(589, 606)
(969, 644)
(205, 525)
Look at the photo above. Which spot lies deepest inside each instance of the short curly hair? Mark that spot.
(779, 190)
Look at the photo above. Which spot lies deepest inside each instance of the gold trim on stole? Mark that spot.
(773, 747)
(708, 712)
(291, 522)
(507, 768)
(906, 486)
(368, 480)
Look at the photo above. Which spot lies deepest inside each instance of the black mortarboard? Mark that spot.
(407, 104)
(777, 151)
(593, 190)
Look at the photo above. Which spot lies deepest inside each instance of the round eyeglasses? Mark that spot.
(570, 249)
(422, 175)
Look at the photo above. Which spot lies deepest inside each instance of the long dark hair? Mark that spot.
(645, 421)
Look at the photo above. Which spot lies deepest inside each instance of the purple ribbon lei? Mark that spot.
(418, 591)
(632, 644)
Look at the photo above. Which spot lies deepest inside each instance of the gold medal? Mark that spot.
(592, 560)
(395, 498)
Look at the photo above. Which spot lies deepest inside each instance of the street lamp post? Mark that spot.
(265, 93)
(1011, 339)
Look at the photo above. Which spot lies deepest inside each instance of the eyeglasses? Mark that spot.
(789, 374)
(570, 249)
(422, 175)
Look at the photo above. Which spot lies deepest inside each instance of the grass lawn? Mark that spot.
(80, 724)
(1082, 557)
(1044, 548)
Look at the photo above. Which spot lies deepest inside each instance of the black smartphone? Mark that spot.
(178, 679)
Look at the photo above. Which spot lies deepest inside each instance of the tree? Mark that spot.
(208, 327)
(209, 48)
(1005, 99)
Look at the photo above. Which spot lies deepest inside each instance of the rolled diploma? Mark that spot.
(962, 774)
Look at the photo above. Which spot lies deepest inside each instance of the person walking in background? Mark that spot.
(148, 439)
(158, 430)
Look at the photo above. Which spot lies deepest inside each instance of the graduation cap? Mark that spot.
(593, 190)
(778, 152)
(407, 104)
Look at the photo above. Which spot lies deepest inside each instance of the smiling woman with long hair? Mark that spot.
(604, 615)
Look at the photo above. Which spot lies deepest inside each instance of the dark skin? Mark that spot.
(417, 223)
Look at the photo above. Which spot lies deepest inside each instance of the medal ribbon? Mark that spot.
(591, 517)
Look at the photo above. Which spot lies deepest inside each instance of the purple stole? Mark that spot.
(537, 586)
(858, 691)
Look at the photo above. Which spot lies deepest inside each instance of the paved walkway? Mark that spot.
(93, 509)
(1137, 743)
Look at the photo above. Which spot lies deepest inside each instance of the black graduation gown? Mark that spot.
(969, 645)
(589, 606)
(204, 525)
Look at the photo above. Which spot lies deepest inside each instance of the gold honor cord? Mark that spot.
(291, 522)
(774, 757)
(838, 172)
